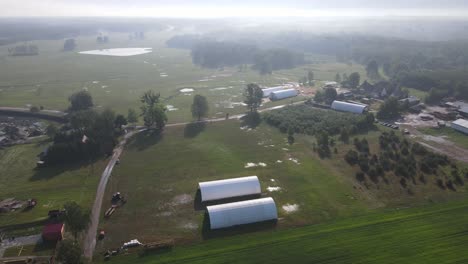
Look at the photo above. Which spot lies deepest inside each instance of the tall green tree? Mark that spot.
(132, 116)
(310, 77)
(338, 78)
(372, 70)
(75, 218)
(330, 95)
(69, 252)
(153, 112)
(389, 109)
(253, 97)
(51, 130)
(69, 45)
(120, 121)
(79, 101)
(199, 106)
(354, 80)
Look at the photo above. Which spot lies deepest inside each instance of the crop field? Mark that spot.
(117, 82)
(52, 187)
(431, 234)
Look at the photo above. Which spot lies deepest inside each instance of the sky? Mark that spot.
(233, 8)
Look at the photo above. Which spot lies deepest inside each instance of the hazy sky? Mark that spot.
(232, 8)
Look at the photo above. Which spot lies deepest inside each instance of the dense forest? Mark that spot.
(215, 54)
(436, 67)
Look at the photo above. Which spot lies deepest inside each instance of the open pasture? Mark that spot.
(117, 81)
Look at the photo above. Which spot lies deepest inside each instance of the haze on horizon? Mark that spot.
(240, 8)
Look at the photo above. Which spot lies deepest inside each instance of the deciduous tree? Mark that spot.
(253, 97)
(199, 106)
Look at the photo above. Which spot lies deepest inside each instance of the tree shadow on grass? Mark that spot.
(198, 205)
(251, 120)
(146, 139)
(51, 171)
(207, 233)
(193, 129)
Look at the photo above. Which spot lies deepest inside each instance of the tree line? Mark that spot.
(210, 53)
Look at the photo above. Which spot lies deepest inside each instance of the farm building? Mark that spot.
(411, 101)
(241, 213)
(216, 190)
(268, 91)
(463, 111)
(460, 125)
(348, 107)
(283, 94)
(53, 232)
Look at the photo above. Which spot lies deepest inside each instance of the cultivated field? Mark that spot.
(117, 82)
(52, 187)
(432, 234)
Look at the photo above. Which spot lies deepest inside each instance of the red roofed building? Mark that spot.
(53, 232)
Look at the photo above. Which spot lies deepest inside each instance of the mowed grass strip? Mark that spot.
(432, 234)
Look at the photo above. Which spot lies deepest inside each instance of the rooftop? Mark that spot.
(461, 122)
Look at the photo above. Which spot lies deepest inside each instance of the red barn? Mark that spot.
(53, 232)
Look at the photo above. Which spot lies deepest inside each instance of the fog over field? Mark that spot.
(350, 116)
(243, 8)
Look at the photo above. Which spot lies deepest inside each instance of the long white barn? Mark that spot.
(283, 94)
(460, 125)
(348, 107)
(268, 91)
(221, 189)
(241, 213)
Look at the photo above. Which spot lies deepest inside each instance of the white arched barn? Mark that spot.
(268, 91)
(216, 190)
(241, 213)
(348, 107)
(283, 94)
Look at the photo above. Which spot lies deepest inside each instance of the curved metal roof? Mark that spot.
(240, 213)
(221, 189)
(348, 107)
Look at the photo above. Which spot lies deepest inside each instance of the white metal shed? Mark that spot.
(283, 94)
(348, 107)
(216, 190)
(241, 213)
(460, 125)
(268, 91)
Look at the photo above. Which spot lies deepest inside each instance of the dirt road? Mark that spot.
(438, 144)
(90, 238)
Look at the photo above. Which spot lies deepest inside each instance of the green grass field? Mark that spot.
(431, 234)
(117, 82)
(160, 177)
(451, 134)
(30, 250)
(52, 187)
